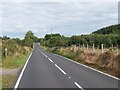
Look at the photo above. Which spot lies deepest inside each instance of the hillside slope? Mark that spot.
(113, 29)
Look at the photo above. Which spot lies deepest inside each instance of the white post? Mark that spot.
(5, 52)
(102, 47)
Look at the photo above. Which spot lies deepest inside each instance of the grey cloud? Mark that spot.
(66, 18)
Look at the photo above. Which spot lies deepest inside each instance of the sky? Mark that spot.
(65, 17)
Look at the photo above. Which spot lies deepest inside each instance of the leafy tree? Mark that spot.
(5, 38)
(48, 36)
(29, 39)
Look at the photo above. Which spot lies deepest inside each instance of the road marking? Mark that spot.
(50, 59)
(89, 67)
(69, 77)
(21, 74)
(60, 69)
(78, 85)
(46, 56)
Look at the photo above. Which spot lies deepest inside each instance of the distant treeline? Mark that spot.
(28, 40)
(109, 36)
(16, 46)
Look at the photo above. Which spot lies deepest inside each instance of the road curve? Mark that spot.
(47, 70)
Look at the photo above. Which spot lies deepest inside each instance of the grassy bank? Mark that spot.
(8, 80)
(106, 62)
(9, 63)
(12, 62)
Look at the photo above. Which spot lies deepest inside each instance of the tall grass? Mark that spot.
(12, 62)
(8, 81)
(106, 61)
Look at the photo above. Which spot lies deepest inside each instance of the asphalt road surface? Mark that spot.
(47, 70)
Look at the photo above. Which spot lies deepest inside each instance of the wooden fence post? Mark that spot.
(87, 46)
(112, 47)
(93, 47)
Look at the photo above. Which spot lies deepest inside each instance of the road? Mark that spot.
(47, 70)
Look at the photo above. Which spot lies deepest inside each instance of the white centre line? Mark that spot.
(78, 85)
(50, 59)
(46, 56)
(60, 69)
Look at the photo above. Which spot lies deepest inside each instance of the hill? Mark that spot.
(113, 29)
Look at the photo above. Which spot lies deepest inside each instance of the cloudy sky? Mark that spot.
(66, 18)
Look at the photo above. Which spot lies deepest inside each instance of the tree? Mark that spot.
(49, 36)
(29, 34)
(29, 39)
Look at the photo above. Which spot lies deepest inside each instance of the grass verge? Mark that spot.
(8, 80)
(9, 63)
(13, 62)
(82, 57)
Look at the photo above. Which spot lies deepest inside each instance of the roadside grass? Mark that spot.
(88, 58)
(12, 62)
(8, 81)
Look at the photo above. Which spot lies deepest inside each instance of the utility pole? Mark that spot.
(51, 32)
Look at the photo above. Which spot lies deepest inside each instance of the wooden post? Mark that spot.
(87, 46)
(112, 47)
(93, 47)
(83, 45)
(117, 51)
(102, 47)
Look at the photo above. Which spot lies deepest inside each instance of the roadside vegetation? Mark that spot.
(14, 53)
(100, 49)
(106, 61)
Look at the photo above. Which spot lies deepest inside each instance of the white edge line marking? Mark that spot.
(89, 67)
(21, 74)
(50, 59)
(78, 86)
(60, 69)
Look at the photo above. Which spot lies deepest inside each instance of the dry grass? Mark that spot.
(8, 81)
(106, 61)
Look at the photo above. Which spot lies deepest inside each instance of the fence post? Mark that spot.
(83, 45)
(93, 47)
(117, 51)
(102, 47)
(87, 46)
(112, 47)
